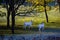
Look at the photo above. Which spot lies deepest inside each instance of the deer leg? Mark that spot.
(39, 29)
(42, 29)
(24, 27)
(29, 27)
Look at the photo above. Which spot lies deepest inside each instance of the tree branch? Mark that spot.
(19, 4)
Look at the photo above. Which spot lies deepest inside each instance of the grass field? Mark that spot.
(53, 15)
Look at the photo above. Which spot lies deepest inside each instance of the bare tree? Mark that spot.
(12, 6)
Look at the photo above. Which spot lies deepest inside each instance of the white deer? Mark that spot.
(41, 26)
(27, 24)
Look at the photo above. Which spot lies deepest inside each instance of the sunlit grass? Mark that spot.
(53, 16)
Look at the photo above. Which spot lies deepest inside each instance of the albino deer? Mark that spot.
(28, 24)
(41, 26)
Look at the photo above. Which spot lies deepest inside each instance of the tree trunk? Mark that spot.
(13, 21)
(8, 13)
(59, 6)
(46, 15)
(13, 16)
(45, 11)
(58, 1)
(8, 20)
